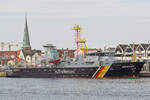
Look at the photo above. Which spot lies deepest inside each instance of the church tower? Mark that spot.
(26, 39)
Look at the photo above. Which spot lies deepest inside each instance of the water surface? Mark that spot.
(74, 89)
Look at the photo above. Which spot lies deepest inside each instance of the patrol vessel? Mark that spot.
(105, 66)
(86, 65)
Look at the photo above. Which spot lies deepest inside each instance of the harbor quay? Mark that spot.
(27, 57)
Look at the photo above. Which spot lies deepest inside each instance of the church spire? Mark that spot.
(26, 40)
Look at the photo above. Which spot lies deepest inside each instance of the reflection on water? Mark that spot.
(74, 89)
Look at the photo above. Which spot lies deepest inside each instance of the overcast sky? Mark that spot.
(104, 22)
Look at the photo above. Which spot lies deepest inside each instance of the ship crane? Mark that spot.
(81, 43)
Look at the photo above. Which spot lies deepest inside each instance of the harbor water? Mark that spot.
(74, 89)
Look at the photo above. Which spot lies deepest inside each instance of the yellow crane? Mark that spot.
(81, 43)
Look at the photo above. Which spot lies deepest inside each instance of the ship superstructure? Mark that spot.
(51, 53)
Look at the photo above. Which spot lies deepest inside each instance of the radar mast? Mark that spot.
(81, 43)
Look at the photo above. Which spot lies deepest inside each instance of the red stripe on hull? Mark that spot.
(96, 76)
